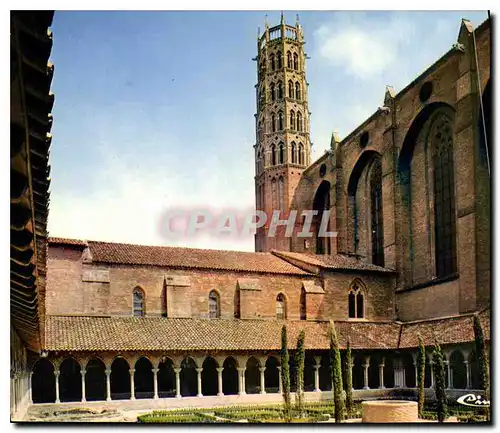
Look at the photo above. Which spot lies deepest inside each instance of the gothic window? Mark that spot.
(290, 89)
(376, 214)
(295, 61)
(321, 204)
(281, 192)
(273, 122)
(274, 194)
(444, 198)
(297, 91)
(273, 155)
(294, 153)
(138, 302)
(299, 121)
(301, 154)
(280, 307)
(213, 305)
(292, 120)
(280, 60)
(289, 59)
(303, 308)
(281, 159)
(272, 61)
(237, 307)
(356, 302)
(280, 90)
(273, 94)
(261, 131)
(280, 121)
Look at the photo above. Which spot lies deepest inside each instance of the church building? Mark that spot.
(408, 193)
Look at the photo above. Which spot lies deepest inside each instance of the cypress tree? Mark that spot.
(336, 371)
(439, 387)
(299, 362)
(348, 378)
(285, 374)
(482, 359)
(421, 376)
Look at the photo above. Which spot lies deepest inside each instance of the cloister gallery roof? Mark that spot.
(78, 333)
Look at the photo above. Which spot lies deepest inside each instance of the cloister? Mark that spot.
(109, 377)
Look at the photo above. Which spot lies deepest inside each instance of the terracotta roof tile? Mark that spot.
(332, 261)
(65, 241)
(458, 329)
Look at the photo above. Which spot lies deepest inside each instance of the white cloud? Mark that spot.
(363, 47)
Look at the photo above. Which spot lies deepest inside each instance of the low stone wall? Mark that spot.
(389, 411)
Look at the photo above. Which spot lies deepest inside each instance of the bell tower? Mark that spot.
(283, 147)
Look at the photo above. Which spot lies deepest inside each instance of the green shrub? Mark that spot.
(183, 418)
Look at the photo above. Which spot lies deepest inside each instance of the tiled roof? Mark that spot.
(333, 261)
(180, 257)
(75, 333)
(458, 329)
(64, 333)
(65, 241)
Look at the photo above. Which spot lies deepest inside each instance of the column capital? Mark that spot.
(365, 365)
(132, 371)
(199, 369)
(262, 369)
(177, 370)
(108, 372)
(57, 372)
(279, 367)
(466, 362)
(83, 372)
(241, 369)
(447, 362)
(381, 365)
(155, 370)
(219, 369)
(317, 366)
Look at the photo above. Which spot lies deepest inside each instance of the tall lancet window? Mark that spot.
(273, 122)
(298, 93)
(295, 61)
(294, 152)
(280, 90)
(273, 154)
(290, 89)
(292, 120)
(280, 121)
(444, 197)
(301, 154)
(280, 307)
(281, 155)
(356, 302)
(289, 59)
(213, 305)
(377, 224)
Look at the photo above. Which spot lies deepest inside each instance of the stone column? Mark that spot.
(241, 381)
(108, 384)
(381, 374)
(262, 380)
(177, 371)
(432, 373)
(198, 371)
(467, 372)
(56, 374)
(132, 384)
(30, 391)
(219, 379)
(155, 382)
(82, 372)
(366, 365)
(280, 382)
(450, 378)
(317, 366)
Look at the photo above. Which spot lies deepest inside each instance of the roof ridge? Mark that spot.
(433, 319)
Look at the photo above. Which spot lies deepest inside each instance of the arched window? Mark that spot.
(273, 94)
(138, 302)
(280, 307)
(303, 306)
(298, 93)
(280, 121)
(272, 61)
(289, 59)
(299, 121)
(280, 90)
(376, 214)
(281, 159)
(294, 153)
(356, 302)
(279, 56)
(292, 120)
(444, 197)
(281, 193)
(273, 154)
(274, 193)
(295, 61)
(273, 122)
(290, 89)
(213, 305)
(301, 154)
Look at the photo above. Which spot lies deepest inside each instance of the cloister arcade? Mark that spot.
(131, 377)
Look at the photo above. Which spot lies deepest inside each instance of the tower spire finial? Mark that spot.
(282, 18)
(258, 32)
(265, 21)
(297, 18)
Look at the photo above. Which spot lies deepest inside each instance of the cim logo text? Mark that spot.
(473, 400)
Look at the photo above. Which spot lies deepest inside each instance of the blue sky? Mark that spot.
(155, 110)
